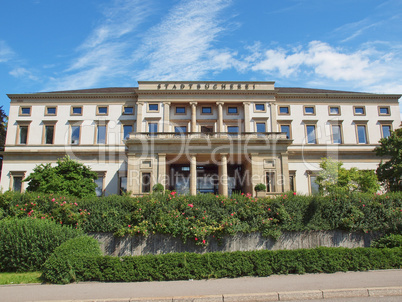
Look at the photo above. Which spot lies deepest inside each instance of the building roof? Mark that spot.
(310, 90)
(99, 90)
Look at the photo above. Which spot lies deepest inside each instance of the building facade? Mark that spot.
(197, 137)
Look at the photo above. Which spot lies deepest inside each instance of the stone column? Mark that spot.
(223, 175)
(139, 117)
(133, 174)
(166, 116)
(162, 176)
(285, 172)
(274, 126)
(246, 116)
(220, 116)
(193, 116)
(193, 174)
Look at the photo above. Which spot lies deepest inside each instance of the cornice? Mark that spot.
(14, 97)
(206, 92)
(337, 96)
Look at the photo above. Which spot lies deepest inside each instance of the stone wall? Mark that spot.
(163, 244)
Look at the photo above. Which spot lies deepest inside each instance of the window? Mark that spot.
(359, 110)
(206, 129)
(336, 134)
(128, 110)
(334, 110)
(123, 185)
(146, 182)
(260, 107)
(153, 107)
(286, 129)
(233, 110)
(152, 128)
(180, 129)
(270, 181)
(101, 110)
(127, 129)
(309, 110)
(25, 111)
(385, 131)
(233, 130)
(16, 178)
(284, 110)
(101, 134)
(314, 187)
(311, 135)
(361, 134)
(206, 110)
(75, 135)
(384, 110)
(23, 135)
(99, 186)
(260, 127)
(292, 181)
(49, 134)
(51, 111)
(76, 110)
(180, 110)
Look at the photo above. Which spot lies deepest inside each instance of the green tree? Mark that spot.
(334, 178)
(68, 177)
(390, 172)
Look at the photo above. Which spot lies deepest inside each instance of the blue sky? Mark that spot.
(50, 45)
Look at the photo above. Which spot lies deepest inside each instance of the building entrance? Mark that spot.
(208, 180)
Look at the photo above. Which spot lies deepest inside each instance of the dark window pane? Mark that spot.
(309, 110)
(128, 110)
(77, 110)
(361, 133)
(102, 110)
(286, 129)
(206, 110)
(153, 107)
(384, 110)
(49, 131)
(26, 110)
(23, 134)
(127, 130)
(386, 131)
(232, 110)
(259, 107)
(101, 139)
(334, 110)
(146, 182)
(75, 135)
(180, 110)
(359, 110)
(260, 127)
(311, 134)
(17, 184)
(284, 110)
(336, 134)
(51, 110)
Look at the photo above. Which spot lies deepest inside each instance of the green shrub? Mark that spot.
(25, 244)
(61, 265)
(388, 241)
(184, 266)
(260, 187)
(157, 188)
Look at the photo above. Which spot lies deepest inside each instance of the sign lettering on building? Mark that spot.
(206, 86)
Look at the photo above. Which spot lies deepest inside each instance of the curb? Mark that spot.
(260, 297)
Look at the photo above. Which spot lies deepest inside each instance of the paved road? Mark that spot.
(240, 289)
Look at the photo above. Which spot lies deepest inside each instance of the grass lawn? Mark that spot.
(20, 278)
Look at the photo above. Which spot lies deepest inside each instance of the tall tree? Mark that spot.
(390, 172)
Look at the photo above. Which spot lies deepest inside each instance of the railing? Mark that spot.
(210, 135)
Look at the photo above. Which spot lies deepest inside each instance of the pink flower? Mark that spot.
(231, 214)
(129, 225)
(203, 241)
(173, 193)
(190, 205)
(53, 199)
(294, 193)
(195, 238)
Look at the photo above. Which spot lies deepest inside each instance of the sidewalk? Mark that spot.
(272, 288)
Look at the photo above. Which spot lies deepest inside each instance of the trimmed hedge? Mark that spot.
(58, 268)
(389, 241)
(184, 266)
(25, 244)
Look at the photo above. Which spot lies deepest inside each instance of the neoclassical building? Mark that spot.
(197, 137)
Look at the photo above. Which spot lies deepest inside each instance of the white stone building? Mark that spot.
(192, 137)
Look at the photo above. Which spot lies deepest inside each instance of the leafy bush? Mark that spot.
(260, 187)
(58, 268)
(184, 266)
(198, 218)
(388, 241)
(157, 188)
(25, 244)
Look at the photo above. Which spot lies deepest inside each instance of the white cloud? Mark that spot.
(6, 53)
(103, 54)
(21, 72)
(182, 45)
(364, 67)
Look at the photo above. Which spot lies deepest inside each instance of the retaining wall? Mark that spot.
(163, 244)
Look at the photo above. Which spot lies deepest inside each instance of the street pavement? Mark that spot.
(371, 284)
